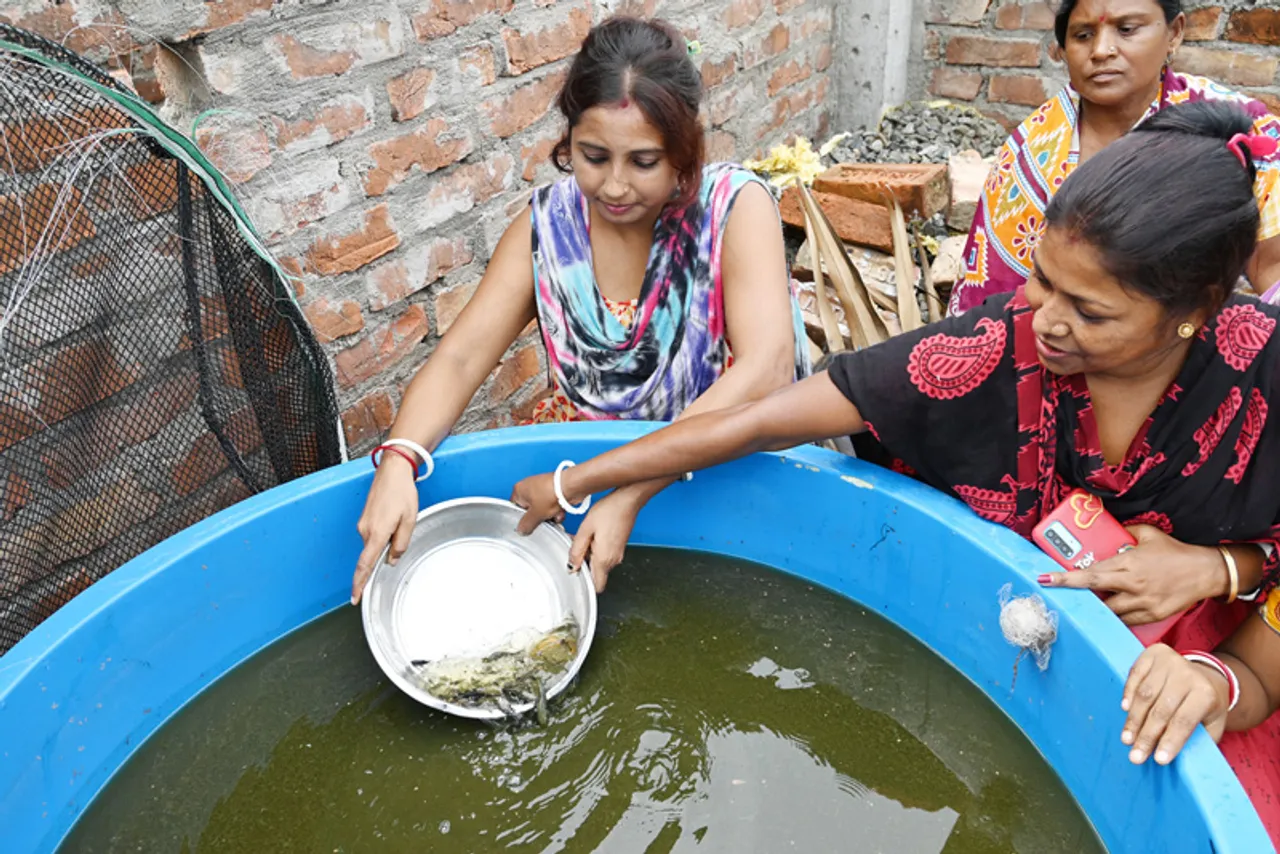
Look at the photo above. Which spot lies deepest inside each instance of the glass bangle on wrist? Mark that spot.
(422, 470)
(1233, 684)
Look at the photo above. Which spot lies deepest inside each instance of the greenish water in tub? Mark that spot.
(724, 707)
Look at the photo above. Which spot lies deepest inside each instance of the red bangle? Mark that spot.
(1233, 684)
(393, 449)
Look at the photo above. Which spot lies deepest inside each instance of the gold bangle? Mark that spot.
(1232, 573)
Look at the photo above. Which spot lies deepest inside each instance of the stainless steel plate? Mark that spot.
(467, 582)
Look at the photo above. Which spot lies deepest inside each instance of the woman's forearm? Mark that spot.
(1255, 705)
(741, 383)
(802, 412)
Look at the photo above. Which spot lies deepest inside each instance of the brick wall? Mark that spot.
(382, 147)
(998, 54)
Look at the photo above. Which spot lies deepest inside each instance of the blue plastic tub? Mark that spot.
(80, 693)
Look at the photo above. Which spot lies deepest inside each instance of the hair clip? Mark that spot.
(695, 47)
(1259, 147)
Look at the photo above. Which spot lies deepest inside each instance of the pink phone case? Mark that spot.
(1078, 533)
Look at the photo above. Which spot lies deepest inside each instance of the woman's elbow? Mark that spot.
(768, 374)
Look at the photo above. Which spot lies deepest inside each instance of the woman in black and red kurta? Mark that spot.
(1123, 367)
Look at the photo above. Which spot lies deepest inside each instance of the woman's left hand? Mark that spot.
(1166, 697)
(602, 539)
(537, 495)
(1157, 578)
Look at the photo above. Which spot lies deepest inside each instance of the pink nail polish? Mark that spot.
(1044, 580)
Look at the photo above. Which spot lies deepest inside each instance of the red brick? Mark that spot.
(522, 407)
(425, 149)
(1271, 99)
(515, 371)
(344, 253)
(823, 62)
(789, 75)
(715, 73)
(75, 378)
(305, 62)
(526, 51)
(17, 423)
(451, 303)
(524, 106)
(1001, 53)
(332, 122)
(721, 146)
(1024, 89)
(425, 264)
(967, 13)
(723, 103)
(817, 22)
(61, 210)
(932, 45)
(91, 266)
(113, 427)
(14, 496)
(240, 151)
(1227, 66)
(1203, 24)
(954, 83)
(464, 188)
(35, 143)
(536, 154)
(857, 222)
(1025, 16)
(634, 8)
(382, 348)
(1255, 26)
(923, 189)
(90, 524)
(410, 93)
(478, 64)
(446, 16)
(206, 459)
(332, 322)
(105, 36)
(153, 189)
(368, 419)
(224, 13)
(784, 6)
(743, 13)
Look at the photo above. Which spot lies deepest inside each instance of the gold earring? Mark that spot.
(1186, 330)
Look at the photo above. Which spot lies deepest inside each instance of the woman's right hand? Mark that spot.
(1167, 697)
(389, 515)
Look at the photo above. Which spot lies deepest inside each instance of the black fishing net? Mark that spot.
(154, 367)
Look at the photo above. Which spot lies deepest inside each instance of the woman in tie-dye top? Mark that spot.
(643, 268)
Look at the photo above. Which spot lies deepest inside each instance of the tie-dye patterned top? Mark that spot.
(1036, 160)
(675, 345)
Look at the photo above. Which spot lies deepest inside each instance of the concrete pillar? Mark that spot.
(873, 51)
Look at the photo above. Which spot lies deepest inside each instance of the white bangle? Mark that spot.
(564, 502)
(422, 453)
(1233, 684)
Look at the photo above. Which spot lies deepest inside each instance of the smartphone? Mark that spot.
(1078, 533)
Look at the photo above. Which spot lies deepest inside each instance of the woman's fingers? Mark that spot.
(1194, 710)
(1088, 579)
(1159, 715)
(1138, 673)
(400, 539)
(1143, 699)
(365, 564)
(581, 546)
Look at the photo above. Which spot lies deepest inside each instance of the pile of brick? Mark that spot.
(855, 199)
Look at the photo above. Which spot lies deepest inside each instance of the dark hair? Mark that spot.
(1168, 206)
(1172, 9)
(646, 62)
